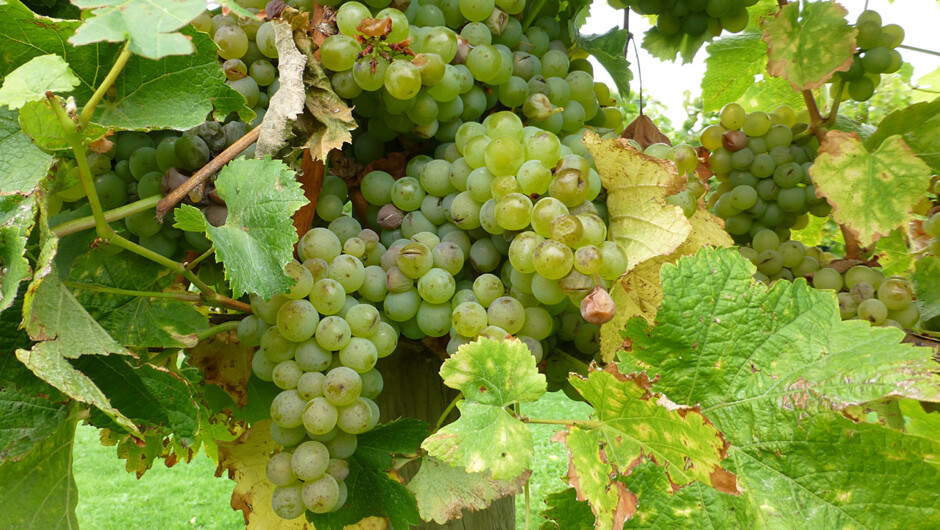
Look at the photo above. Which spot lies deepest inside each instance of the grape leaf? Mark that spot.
(153, 397)
(226, 363)
(927, 87)
(566, 512)
(774, 369)
(894, 256)
(639, 292)
(374, 487)
(134, 320)
(443, 491)
(17, 214)
(31, 81)
(173, 92)
(39, 491)
(258, 397)
(640, 220)
(148, 26)
(667, 47)
(22, 164)
(919, 125)
(608, 48)
(918, 421)
(927, 287)
(287, 104)
(870, 192)
(246, 460)
(632, 424)
(492, 375)
(257, 239)
(30, 409)
(732, 65)
(695, 506)
(807, 47)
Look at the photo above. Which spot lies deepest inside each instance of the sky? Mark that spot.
(667, 81)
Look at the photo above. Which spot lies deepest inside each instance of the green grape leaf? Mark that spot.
(927, 87)
(632, 424)
(774, 369)
(189, 218)
(894, 256)
(173, 92)
(63, 327)
(640, 220)
(919, 422)
(56, 370)
(257, 398)
(807, 47)
(667, 47)
(608, 48)
(39, 490)
(374, 486)
(153, 397)
(443, 491)
(30, 409)
(134, 320)
(257, 240)
(695, 506)
(919, 125)
(927, 287)
(31, 81)
(22, 164)
(149, 26)
(870, 192)
(17, 215)
(484, 438)
(41, 125)
(494, 372)
(492, 375)
(566, 512)
(733, 63)
(846, 124)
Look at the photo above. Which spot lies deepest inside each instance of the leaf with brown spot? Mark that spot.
(224, 362)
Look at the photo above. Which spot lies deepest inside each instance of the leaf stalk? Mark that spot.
(82, 223)
(89, 109)
(215, 330)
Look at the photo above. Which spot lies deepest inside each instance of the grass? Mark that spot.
(190, 496)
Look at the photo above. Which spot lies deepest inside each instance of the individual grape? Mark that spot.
(588, 259)
(333, 333)
(328, 296)
(250, 330)
(862, 291)
(615, 262)
(262, 367)
(278, 469)
(287, 501)
(513, 211)
(319, 243)
(275, 347)
(437, 285)
(355, 418)
(342, 386)
(486, 288)
(862, 274)
(286, 375)
(732, 116)
(359, 354)
(872, 310)
(348, 271)
(319, 416)
(321, 495)
(363, 320)
(552, 259)
(287, 409)
(895, 293)
(507, 313)
(385, 339)
(310, 460)
(827, 278)
(906, 317)
(310, 385)
(402, 306)
(769, 262)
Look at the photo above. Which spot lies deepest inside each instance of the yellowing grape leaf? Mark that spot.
(632, 424)
(224, 362)
(246, 460)
(640, 220)
(638, 293)
(870, 193)
(487, 437)
(807, 47)
(444, 492)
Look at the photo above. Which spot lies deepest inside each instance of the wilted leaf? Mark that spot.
(807, 47)
(640, 221)
(443, 492)
(871, 193)
(31, 81)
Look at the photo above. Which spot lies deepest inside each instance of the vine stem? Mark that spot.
(215, 330)
(89, 109)
(815, 118)
(82, 223)
(916, 49)
(185, 297)
(211, 168)
(192, 264)
(530, 16)
(834, 111)
(75, 141)
(447, 411)
(527, 505)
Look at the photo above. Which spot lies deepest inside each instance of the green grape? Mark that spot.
(907, 317)
(863, 274)
(895, 293)
(522, 249)
(360, 354)
(250, 330)
(278, 469)
(448, 256)
(287, 501)
(385, 339)
(143, 223)
(232, 41)
(262, 367)
(310, 385)
(861, 89)
(348, 271)
(287, 410)
(778, 136)
(514, 211)
(484, 257)
(328, 296)
(355, 418)
(338, 52)
(310, 460)
(333, 333)
(827, 278)
(486, 288)
(469, 318)
(732, 116)
(402, 306)
(263, 72)
(403, 80)
(892, 35)
(769, 262)
(373, 286)
(286, 375)
(297, 320)
(465, 211)
(363, 320)
(872, 310)
(552, 259)
(507, 313)
(931, 225)
(436, 286)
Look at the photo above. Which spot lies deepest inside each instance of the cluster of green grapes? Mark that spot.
(692, 17)
(423, 72)
(761, 162)
(141, 165)
(876, 55)
(247, 54)
(864, 292)
(319, 342)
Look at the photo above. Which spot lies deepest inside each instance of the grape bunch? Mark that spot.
(865, 293)
(421, 73)
(319, 344)
(246, 53)
(876, 55)
(761, 162)
(695, 18)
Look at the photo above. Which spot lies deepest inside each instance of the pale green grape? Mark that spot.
(319, 416)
